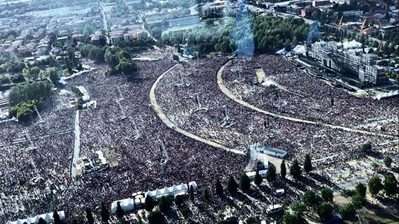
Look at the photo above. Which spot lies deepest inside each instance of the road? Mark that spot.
(161, 114)
(76, 147)
(105, 22)
(229, 94)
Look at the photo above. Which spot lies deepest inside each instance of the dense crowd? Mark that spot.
(141, 162)
(37, 158)
(34, 167)
(190, 97)
(301, 95)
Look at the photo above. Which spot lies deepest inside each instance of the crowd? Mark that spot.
(141, 162)
(306, 97)
(34, 167)
(36, 163)
(214, 116)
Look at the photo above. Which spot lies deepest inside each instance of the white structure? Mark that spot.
(129, 204)
(341, 1)
(352, 44)
(274, 208)
(126, 204)
(269, 151)
(279, 192)
(348, 57)
(252, 174)
(172, 191)
(48, 217)
(85, 94)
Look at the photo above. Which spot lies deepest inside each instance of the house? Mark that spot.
(308, 11)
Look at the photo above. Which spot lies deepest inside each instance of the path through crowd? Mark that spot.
(229, 94)
(161, 114)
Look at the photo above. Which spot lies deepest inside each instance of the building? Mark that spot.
(184, 21)
(96, 37)
(138, 34)
(349, 59)
(116, 37)
(341, 2)
(356, 13)
(308, 11)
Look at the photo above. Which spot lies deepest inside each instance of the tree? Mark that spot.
(295, 169)
(366, 148)
(156, 217)
(245, 182)
(207, 196)
(327, 194)
(388, 161)
(271, 173)
(26, 74)
(96, 54)
(358, 201)
(149, 203)
(325, 210)
(119, 211)
(348, 211)
(89, 216)
(104, 213)
(283, 171)
(179, 199)
(298, 208)
(42, 221)
(164, 204)
(126, 67)
(191, 193)
(56, 218)
(371, 51)
(361, 190)
(53, 75)
(375, 185)
(390, 184)
(30, 91)
(219, 188)
(23, 111)
(307, 166)
(258, 179)
(232, 185)
(290, 218)
(110, 57)
(310, 198)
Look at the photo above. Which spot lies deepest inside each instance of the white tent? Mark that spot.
(193, 184)
(126, 204)
(172, 191)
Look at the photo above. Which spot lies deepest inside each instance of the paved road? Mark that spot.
(161, 114)
(105, 22)
(229, 94)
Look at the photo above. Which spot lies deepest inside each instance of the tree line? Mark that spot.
(268, 34)
(117, 58)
